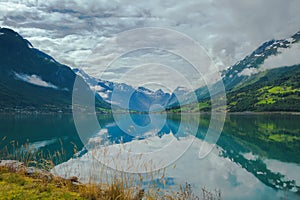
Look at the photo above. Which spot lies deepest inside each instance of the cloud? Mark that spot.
(287, 57)
(147, 67)
(249, 71)
(69, 30)
(35, 80)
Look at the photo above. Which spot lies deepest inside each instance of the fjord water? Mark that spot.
(256, 156)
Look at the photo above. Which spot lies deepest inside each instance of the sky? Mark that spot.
(84, 34)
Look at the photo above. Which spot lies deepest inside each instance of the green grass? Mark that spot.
(266, 100)
(282, 90)
(18, 186)
(270, 95)
(282, 138)
(203, 106)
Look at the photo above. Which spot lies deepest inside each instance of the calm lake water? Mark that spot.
(256, 156)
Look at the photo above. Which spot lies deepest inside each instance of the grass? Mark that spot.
(282, 138)
(270, 95)
(202, 106)
(266, 100)
(18, 186)
(282, 90)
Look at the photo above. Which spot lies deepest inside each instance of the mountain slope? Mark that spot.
(273, 90)
(31, 80)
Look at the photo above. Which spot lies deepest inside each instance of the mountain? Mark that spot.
(266, 90)
(31, 80)
(234, 76)
(272, 90)
(141, 98)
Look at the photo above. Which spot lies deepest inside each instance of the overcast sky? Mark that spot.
(70, 30)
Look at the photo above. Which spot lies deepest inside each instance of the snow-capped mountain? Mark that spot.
(234, 75)
(123, 95)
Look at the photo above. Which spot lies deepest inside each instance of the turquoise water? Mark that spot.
(256, 156)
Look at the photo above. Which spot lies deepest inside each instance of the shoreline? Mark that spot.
(205, 113)
(264, 113)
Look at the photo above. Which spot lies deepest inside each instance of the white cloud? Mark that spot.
(289, 169)
(70, 29)
(141, 68)
(249, 72)
(35, 80)
(287, 57)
